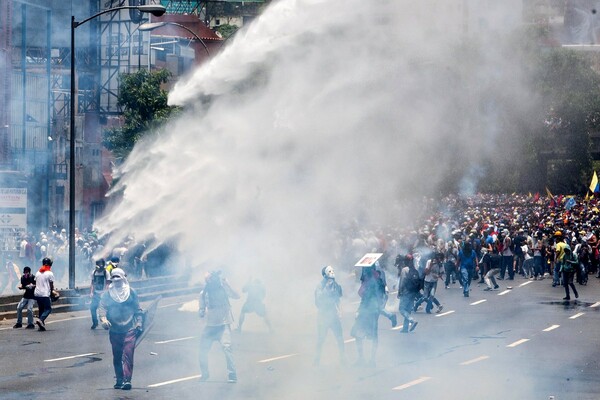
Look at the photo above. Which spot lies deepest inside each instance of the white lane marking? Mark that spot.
(397, 327)
(518, 342)
(577, 315)
(173, 304)
(412, 383)
(278, 358)
(65, 319)
(595, 305)
(174, 381)
(55, 321)
(394, 292)
(473, 361)
(503, 293)
(525, 283)
(551, 328)
(352, 340)
(478, 302)
(445, 313)
(71, 357)
(175, 340)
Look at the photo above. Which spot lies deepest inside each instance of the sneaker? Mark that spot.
(466, 294)
(487, 289)
(41, 325)
(445, 287)
(576, 295)
(118, 385)
(30, 326)
(439, 310)
(204, 377)
(232, 378)
(126, 386)
(496, 287)
(413, 325)
(566, 298)
(15, 326)
(394, 320)
(94, 326)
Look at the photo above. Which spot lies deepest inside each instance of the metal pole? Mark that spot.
(152, 9)
(72, 163)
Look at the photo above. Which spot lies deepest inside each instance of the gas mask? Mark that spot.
(328, 272)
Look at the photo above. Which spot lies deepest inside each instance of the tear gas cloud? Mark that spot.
(320, 113)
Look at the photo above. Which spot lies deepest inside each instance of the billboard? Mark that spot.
(13, 208)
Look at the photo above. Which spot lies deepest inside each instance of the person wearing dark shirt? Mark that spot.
(327, 300)
(121, 314)
(28, 300)
(493, 262)
(99, 282)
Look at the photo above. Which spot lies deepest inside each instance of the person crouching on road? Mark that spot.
(120, 313)
(44, 286)
(27, 284)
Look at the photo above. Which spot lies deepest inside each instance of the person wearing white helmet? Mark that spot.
(121, 314)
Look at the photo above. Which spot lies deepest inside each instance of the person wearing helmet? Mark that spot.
(121, 315)
(100, 278)
(44, 286)
(327, 300)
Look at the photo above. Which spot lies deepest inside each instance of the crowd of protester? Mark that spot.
(523, 229)
(130, 255)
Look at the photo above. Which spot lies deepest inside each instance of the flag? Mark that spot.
(530, 195)
(559, 199)
(570, 203)
(594, 184)
(536, 197)
(587, 197)
(550, 196)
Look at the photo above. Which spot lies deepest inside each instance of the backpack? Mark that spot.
(412, 281)
(569, 260)
(216, 293)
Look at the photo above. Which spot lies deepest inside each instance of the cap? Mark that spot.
(117, 273)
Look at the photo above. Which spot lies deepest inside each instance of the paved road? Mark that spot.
(524, 343)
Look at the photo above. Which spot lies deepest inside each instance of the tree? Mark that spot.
(145, 108)
(569, 89)
(226, 30)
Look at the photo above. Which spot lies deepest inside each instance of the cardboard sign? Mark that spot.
(368, 260)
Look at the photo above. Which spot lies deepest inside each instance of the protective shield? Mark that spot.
(148, 319)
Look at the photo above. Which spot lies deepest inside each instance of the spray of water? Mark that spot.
(322, 112)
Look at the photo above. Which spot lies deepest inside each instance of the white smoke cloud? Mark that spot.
(320, 112)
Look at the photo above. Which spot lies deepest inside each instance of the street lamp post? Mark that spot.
(150, 26)
(156, 10)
